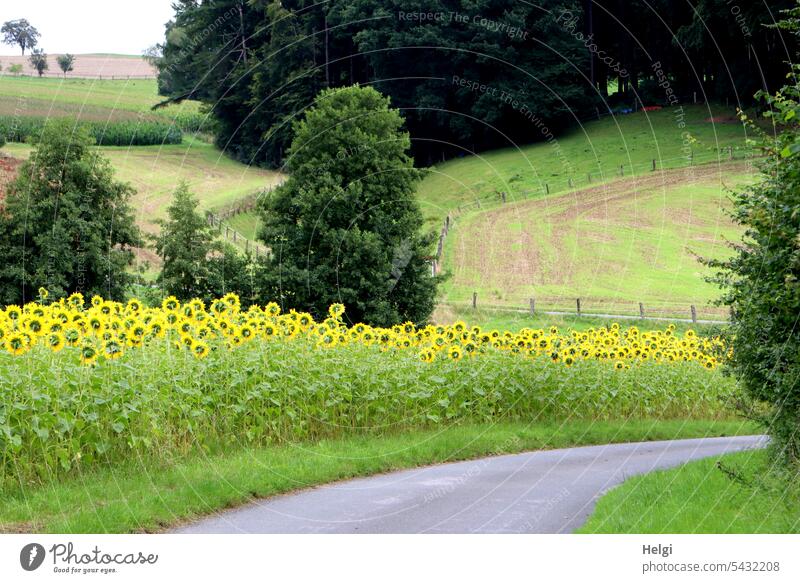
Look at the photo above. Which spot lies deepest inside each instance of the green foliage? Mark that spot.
(468, 75)
(15, 69)
(114, 133)
(61, 416)
(195, 265)
(184, 245)
(345, 226)
(67, 225)
(20, 32)
(38, 61)
(66, 63)
(762, 279)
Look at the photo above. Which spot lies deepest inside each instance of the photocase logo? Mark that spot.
(31, 556)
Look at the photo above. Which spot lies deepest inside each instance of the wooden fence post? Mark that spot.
(533, 306)
(730, 152)
(654, 164)
(474, 300)
(546, 188)
(621, 170)
(503, 195)
(694, 315)
(570, 182)
(641, 310)
(578, 304)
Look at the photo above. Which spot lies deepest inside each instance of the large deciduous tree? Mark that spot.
(345, 227)
(66, 224)
(20, 32)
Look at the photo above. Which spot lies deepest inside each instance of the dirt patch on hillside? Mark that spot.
(89, 66)
(8, 171)
(487, 253)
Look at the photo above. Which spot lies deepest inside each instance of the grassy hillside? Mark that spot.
(597, 148)
(614, 246)
(612, 238)
(155, 171)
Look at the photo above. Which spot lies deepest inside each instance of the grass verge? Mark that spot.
(152, 493)
(735, 493)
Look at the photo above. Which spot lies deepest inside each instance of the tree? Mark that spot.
(345, 227)
(762, 278)
(184, 245)
(66, 63)
(20, 32)
(67, 225)
(38, 61)
(15, 69)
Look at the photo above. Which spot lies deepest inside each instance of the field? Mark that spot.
(88, 65)
(121, 385)
(597, 148)
(613, 246)
(94, 100)
(613, 241)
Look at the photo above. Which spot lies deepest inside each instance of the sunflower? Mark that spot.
(454, 352)
(16, 344)
(112, 349)
(200, 349)
(56, 341)
(88, 354)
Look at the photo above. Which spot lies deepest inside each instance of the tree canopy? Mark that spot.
(20, 32)
(66, 63)
(466, 75)
(66, 224)
(38, 61)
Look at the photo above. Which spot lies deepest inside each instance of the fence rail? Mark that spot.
(668, 314)
(234, 236)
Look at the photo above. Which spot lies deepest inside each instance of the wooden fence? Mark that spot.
(232, 235)
(579, 311)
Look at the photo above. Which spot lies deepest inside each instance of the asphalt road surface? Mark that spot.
(538, 492)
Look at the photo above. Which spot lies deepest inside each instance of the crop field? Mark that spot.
(89, 65)
(589, 155)
(630, 241)
(113, 380)
(94, 100)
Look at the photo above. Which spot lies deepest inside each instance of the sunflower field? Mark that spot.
(94, 382)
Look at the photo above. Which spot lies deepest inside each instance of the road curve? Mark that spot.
(538, 492)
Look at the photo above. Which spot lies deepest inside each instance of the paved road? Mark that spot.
(544, 492)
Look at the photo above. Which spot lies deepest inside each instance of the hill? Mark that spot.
(574, 226)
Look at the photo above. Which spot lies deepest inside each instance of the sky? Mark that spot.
(91, 26)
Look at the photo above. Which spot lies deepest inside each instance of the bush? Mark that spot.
(116, 133)
(762, 280)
